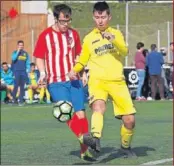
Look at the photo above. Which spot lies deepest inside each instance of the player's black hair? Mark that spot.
(101, 7)
(62, 8)
(32, 64)
(140, 45)
(4, 63)
(153, 47)
(20, 41)
(171, 43)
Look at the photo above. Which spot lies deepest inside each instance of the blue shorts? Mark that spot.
(71, 91)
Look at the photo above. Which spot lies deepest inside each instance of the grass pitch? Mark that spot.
(30, 135)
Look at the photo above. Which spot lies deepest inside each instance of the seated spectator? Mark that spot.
(35, 87)
(7, 78)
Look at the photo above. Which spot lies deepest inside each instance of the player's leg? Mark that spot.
(23, 79)
(30, 94)
(41, 95)
(9, 90)
(78, 100)
(16, 85)
(124, 109)
(61, 91)
(48, 96)
(98, 97)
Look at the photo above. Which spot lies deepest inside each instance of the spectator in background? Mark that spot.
(21, 66)
(146, 87)
(171, 70)
(140, 68)
(7, 78)
(154, 62)
(35, 87)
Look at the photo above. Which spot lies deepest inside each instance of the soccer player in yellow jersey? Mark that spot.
(104, 50)
(34, 86)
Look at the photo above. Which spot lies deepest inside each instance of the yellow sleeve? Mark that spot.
(83, 59)
(120, 43)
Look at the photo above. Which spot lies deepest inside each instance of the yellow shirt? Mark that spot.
(104, 58)
(33, 79)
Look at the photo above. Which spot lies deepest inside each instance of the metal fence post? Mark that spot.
(127, 29)
(32, 43)
(168, 41)
(158, 39)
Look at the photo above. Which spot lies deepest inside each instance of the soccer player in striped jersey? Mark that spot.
(56, 51)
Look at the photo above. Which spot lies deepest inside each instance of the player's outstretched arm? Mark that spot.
(83, 59)
(41, 67)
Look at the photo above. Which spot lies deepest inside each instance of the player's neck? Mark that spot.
(55, 27)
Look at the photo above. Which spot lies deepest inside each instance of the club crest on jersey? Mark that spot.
(69, 41)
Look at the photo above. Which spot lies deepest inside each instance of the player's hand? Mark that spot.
(42, 78)
(108, 36)
(72, 75)
(84, 79)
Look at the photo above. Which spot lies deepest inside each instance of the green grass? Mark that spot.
(30, 135)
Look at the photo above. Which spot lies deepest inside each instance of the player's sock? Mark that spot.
(74, 125)
(126, 137)
(30, 94)
(42, 91)
(84, 124)
(47, 94)
(97, 124)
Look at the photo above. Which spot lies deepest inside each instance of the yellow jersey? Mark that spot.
(104, 58)
(33, 78)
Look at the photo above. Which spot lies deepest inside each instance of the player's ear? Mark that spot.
(55, 19)
(93, 17)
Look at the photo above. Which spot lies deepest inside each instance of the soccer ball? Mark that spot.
(63, 111)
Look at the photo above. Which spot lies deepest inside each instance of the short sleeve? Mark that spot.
(40, 47)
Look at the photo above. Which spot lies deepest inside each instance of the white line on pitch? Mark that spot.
(158, 161)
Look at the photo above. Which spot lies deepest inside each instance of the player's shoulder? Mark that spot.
(114, 30)
(90, 35)
(45, 31)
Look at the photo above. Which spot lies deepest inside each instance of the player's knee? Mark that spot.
(99, 106)
(129, 121)
(81, 114)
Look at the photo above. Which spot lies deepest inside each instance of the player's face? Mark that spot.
(5, 67)
(64, 22)
(21, 46)
(101, 19)
(32, 68)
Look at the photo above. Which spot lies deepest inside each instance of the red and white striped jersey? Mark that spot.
(59, 51)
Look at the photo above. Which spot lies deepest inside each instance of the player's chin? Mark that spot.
(101, 28)
(65, 29)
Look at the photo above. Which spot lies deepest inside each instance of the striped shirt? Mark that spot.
(59, 50)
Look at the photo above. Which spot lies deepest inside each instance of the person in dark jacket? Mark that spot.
(154, 61)
(21, 66)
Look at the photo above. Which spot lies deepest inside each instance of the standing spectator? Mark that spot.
(154, 62)
(146, 87)
(21, 66)
(140, 68)
(171, 71)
